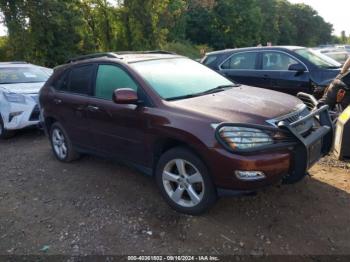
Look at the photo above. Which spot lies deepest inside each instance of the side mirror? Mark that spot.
(125, 96)
(297, 67)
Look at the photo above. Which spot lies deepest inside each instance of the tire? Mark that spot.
(61, 144)
(294, 179)
(4, 133)
(184, 182)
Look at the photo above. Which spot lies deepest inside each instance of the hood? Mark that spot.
(23, 88)
(323, 77)
(243, 104)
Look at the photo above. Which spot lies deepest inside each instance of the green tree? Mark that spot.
(141, 24)
(236, 24)
(15, 20)
(174, 19)
(199, 26)
(46, 32)
(270, 28)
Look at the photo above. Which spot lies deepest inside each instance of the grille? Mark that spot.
(303, 127)
(35, 114)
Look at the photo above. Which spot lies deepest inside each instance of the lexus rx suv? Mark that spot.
(199, 134)
(20, 83)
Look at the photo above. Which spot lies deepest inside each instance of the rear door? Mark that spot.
(118, 129)
(241, 68)
(275, 70)
(70, 100)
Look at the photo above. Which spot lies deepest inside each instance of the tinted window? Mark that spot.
(80, 79)
(241, 61)
(277, 61)
(61, 83)
(210, 59)
(172, 78)
(110, 78)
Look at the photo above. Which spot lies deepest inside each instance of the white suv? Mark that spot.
(20, 84)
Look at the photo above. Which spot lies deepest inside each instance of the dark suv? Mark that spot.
(196, 132)
(288, 69)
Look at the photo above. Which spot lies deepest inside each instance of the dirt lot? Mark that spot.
(96, 206)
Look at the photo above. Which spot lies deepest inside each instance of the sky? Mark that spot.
(335, 12)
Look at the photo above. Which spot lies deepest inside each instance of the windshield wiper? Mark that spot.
(181, 97)
(210, 91)
(333, 67)
(219, 89)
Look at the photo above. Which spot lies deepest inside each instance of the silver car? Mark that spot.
(20, 84)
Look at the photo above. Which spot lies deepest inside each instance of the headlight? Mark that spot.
(15, 98)
(244, 138)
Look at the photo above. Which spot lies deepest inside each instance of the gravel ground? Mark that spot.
(96, 206)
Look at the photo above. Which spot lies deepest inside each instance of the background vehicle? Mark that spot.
(339, 55)
(19, 87)
(344, 47)
(173, 118)
(286, 69)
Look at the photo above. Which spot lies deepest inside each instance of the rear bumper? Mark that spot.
(275, 161)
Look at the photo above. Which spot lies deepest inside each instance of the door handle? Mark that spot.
(93, 108)
(57, 101)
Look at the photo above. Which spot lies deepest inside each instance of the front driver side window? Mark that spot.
(245, 61)
(110, 78)
(276, 61)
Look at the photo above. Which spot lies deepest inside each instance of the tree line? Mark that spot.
(48, 32)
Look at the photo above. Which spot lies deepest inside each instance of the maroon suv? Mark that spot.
(199, 134)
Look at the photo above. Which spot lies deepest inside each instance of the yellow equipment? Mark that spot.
(342, 135)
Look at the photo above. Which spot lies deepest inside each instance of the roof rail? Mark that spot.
(145, 52)
(90, 56)
(115, 55)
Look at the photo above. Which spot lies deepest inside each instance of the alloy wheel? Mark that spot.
(59, 143)
(183, 183)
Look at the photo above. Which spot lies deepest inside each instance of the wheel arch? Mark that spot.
(48, 122)
(165, 144)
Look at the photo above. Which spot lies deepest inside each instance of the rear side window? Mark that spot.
(241, 61)
(110, 78)
(61, 83)
(80, 79)
(210, 59)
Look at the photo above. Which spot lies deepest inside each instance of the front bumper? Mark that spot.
(292, 158)
(17, 116)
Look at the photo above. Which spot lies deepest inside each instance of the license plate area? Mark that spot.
(315, 152)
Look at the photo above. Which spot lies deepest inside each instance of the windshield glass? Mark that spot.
(179, 77)
(15, 75)
(318, 59)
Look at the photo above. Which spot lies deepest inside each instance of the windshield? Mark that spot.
(15, 75)
(318, 59)
(179, 77)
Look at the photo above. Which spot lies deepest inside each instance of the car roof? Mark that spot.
(18, 64)
(15, 64)
(125, 57)
(291, 48)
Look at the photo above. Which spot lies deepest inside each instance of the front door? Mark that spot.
(275, 69)
(118, 130)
